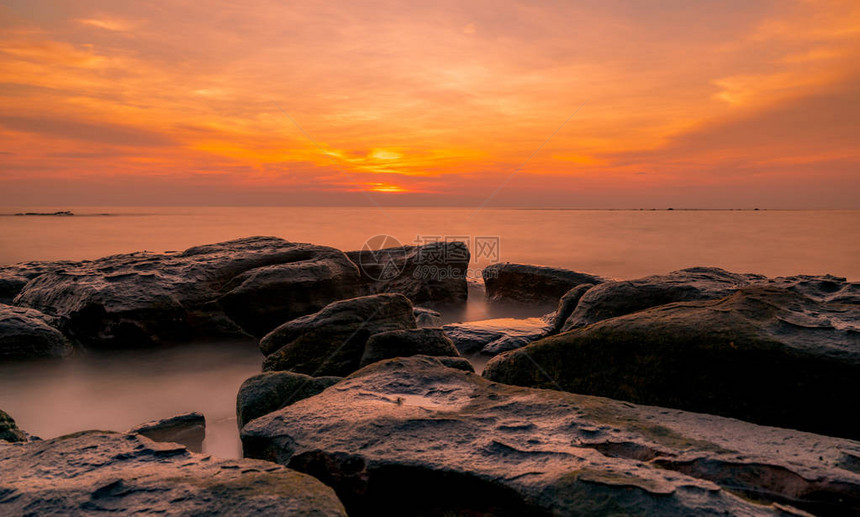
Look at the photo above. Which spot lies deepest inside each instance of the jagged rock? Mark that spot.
(566, 306)
(612, 299)
(531, 284)
(9, 432)
(270, 391)
(492, 337)
(27, 333)
(431, 273)
(821, 288)
(762, 354)
(14, 277)
(409, 435)
(96, 472)
(139, 299)
(427, 317)
(405, 343)
(331, 341)
(189, 429)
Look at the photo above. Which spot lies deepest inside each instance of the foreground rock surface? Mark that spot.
(506, 281)
(763, 354)
(409, 436)
(189, 429)
(94, 473)
(405, 343)
(27, 333)
(331, 341)
(492, 337)
(226, 289)
(271, 391)
(9, 432)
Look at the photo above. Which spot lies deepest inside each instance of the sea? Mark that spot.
(117, 390)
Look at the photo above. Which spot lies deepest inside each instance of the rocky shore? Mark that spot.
(697, 392)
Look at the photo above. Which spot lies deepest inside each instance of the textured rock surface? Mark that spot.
(409, 435)
(27, 333)
(405, 343)
(98, 473)
(138, 299)
(9, 432)
(331, 341)
(762, 354)
(434, 273)
(270, 391)
(427, 317)
(14, 277)
(566, 305)
(189, 429)
(612, 299)
(492, 337)
(532, 284)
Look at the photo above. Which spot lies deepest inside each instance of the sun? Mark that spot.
(385, 187)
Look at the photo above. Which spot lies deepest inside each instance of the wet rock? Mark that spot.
(431, 273)
(612, 299)
(821, 288)
(405, 343)
(492, 337)
(427, 317)
(763, 354)
(9, 432)
(331, 341)
(14, 277)
(532, 284)
(189, 429)
(566, 306)
(95, 472)
(409, 435)
(140, 299)
(271, 391)
(27, 333)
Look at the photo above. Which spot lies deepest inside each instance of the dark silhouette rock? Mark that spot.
(189, 429)
(408, 435)
(492, 337)
(431, 273)
(405, 343)
(612, 299)
(96, 472)
(9, 432)
(271, 391)
(140, 299)
(763, 354)
(27, 333)
(532, 284)
(821, 288)
(427, 317)
(331, 341)
(566, 305)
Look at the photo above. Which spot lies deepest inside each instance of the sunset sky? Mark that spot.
(710, 104)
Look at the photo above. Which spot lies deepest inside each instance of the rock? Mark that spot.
(821, 288)
(492, 337)
(427, 317)
(409, 435)
(431, 273)
(531, 284)
(331, 341)
(27, 333)
(566, 306)
(763, 354)
(14, 277)
(405, 343)
(9, 432)
(189, 429)
(459, 363)
(612, 299)
(270, 391)
(96, 472)
(140, 299)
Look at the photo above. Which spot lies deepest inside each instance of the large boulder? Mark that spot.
(9, 432)
(27, 333)
(566, 305)
(492, 337)
(14, 277)
(271, 391)
(432, 273)
(139, 299)
(96, 472)
(763, 354)
(331, 341)
(612, 299)
(405, 343)
(189, 429)
(532, 284)
(408, 435)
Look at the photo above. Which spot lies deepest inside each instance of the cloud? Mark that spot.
(105, 133)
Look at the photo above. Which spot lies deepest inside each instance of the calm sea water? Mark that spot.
(118, 390)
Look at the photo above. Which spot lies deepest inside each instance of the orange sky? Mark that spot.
(717, 103)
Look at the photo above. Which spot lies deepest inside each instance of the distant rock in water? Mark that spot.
(96, 472)
(9, 432)
(532, 284)
(764, 354)
(28, 334)
(189, 429)
(62, 213)
(411, 436)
